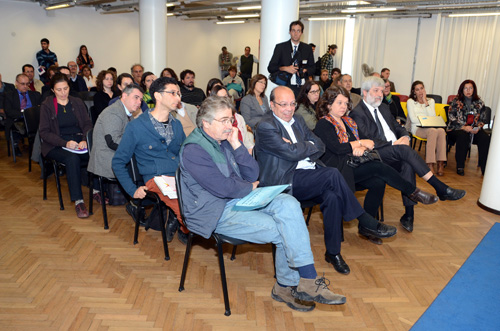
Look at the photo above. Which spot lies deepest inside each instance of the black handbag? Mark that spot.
(281, 78)
(355, 161)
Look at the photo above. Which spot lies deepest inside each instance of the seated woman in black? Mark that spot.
(340, 135)
(106, 90)
(64, 123)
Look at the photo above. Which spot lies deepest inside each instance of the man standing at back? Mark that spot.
(246, 66)
(46, 58)
(293, 59)
(327, 59)
(224, 62)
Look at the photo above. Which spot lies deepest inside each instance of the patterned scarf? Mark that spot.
(341, 133)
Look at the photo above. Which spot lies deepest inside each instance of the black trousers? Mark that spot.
(327, 187)
(407, 161)
(75, 165)
(463, 140)
(373, 176)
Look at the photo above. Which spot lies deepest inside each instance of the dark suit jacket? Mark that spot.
(12, 107)
(368, 128)
(79, 84)
(277, 158)
(282, 56)
(7, 88)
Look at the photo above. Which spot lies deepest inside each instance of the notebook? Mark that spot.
(431, 122)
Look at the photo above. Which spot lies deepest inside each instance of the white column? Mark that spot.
(153, 35)
(490, 192)
(275, 19)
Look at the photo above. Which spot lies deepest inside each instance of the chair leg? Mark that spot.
(309, 215)
(164, 232)
(186, 260)
(233, 254)
(12, 146)
(44, 176)
(30, 146)
(223, 278)
(420, 146)
(136, 230)
(8, 147)
(103, 203)
(91, 190)
(58, 184)
(382, 211)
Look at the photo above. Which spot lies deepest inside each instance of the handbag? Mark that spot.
(354, 161)
(281, 78)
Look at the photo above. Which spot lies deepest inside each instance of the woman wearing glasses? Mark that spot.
(307, 99)
(466, 119)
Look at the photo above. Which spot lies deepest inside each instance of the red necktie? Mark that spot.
(24, 101)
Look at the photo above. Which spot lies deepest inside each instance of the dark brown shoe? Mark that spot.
(423, 197)
(284, 294)
(81, 210)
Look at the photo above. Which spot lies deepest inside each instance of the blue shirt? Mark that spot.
(28, 104)
(46, 59)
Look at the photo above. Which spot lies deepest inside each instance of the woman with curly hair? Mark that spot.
(106, 90)
(466, 119)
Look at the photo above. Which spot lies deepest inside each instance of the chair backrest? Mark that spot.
(437, 98)
(450, 98)
(441, 111)
(32, 120)
(487, 120)
(90, 139)
(405, 109)
(403, 98)
(179, 192)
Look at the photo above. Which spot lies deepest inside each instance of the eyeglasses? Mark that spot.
(314, 92)
(292, 104)
(225, 120)
(173, 93)
(19, 83)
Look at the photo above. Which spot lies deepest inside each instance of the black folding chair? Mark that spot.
(31, 123)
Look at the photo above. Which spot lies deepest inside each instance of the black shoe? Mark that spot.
(172, 226)
(18, 151)
(461, 171)
(423, 197)
(407, 222)
(183, 237)
(132, 211)
(452, 194)
(383, 231)
(338, 263)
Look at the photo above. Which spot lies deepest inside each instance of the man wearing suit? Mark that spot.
(288, 153)
(376, 122)
(76, 81)
(303, 65)
(4, 88)
(109, 128)
(14, 104)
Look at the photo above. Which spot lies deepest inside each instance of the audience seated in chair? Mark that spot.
(234, 84)
(154, 138)
(217, 171)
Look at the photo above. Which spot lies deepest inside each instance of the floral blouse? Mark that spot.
(457, 115)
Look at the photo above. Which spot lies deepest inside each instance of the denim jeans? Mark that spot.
(281, 222)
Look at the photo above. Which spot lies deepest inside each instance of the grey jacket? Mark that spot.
(251, 110)
(112, 121)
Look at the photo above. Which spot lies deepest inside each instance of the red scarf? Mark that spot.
(235, 124)
(341, 133)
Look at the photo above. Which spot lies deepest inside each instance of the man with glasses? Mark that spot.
(155, 138)
(217, 172)
(288, 153)
(393, 102)
(14, 103)
(76, 81)
(346, 82)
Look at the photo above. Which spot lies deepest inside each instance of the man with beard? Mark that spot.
(376, 122)
(190, 93)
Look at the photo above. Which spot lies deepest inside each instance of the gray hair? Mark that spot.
(210, 107)
(372, 81)
(130, 88)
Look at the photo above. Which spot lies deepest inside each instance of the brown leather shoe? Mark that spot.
(432, 167)
(81, 210)
(284, 294)
(423, 197)
(317, 290)
(440, 170)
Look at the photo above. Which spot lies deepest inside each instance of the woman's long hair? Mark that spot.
(413, 95)
(302, 98)
(254, 81)
(100, 77)
(460, 94)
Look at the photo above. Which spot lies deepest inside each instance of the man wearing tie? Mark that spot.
(293, 57)
(14, 104)
(392, 141)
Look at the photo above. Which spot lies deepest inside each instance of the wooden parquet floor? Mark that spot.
(58, 272)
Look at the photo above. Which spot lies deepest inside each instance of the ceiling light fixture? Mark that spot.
(367, 10)
(249, 8)
(60, 6)
(472, 15)
(333, 18)
(229, 22)
(242, 16)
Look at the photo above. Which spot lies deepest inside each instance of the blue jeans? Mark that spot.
(281, 222)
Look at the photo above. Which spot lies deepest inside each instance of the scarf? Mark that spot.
(235, 124)
(341, 133)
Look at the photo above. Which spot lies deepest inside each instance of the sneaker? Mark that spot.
(317, 290)
(284, 294)
(81, 210)
(97, 197)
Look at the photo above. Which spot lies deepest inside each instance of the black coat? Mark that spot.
(12, 107)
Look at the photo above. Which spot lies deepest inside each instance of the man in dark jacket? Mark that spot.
(14, 103)
(216, 172)
(301, 53)
(392, 141)
(288, 153)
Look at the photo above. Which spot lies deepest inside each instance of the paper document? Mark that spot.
(76, 151)
(166, 184)
(260, 197)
